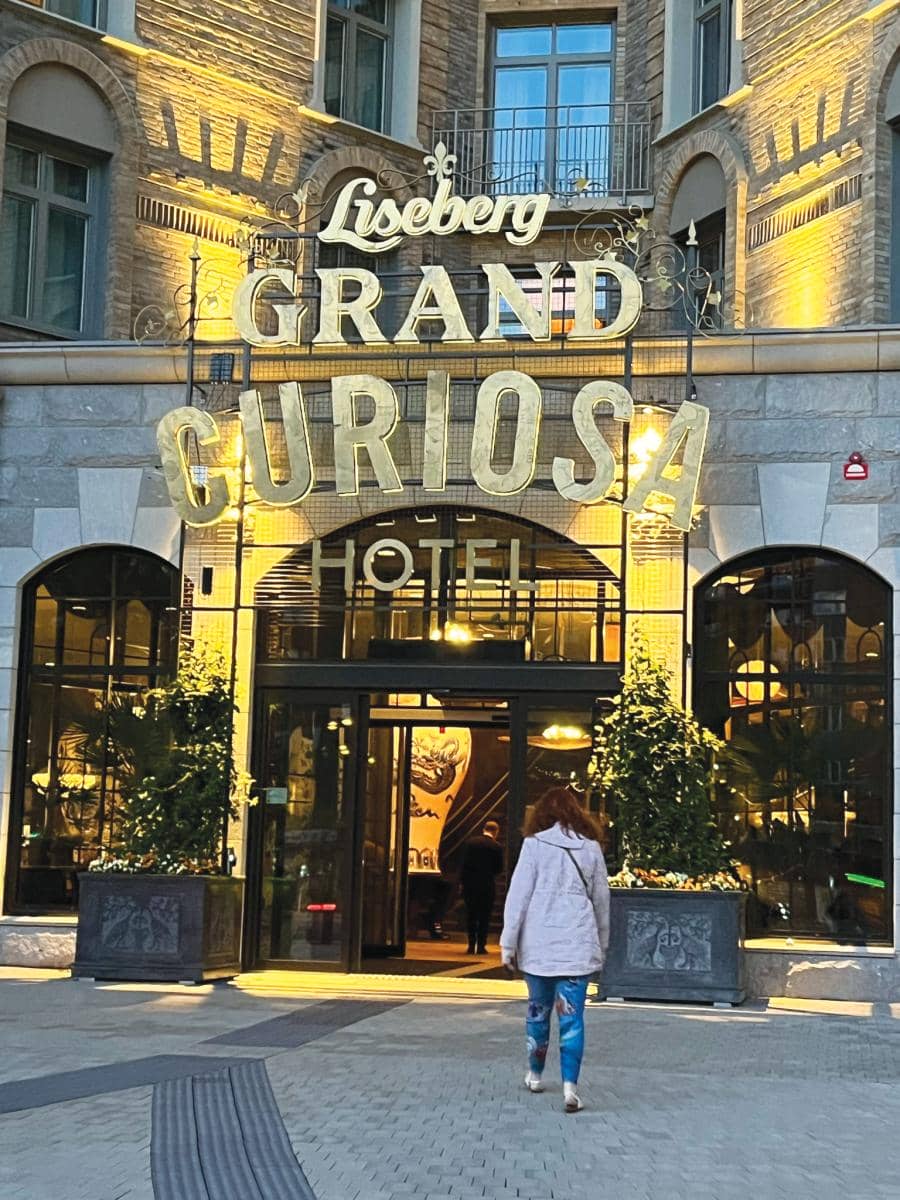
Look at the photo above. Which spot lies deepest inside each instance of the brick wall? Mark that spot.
(221, 133)
(813, 244)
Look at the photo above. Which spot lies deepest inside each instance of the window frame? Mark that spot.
(553, 62)
(114, 671)
(842, 679)
(44, 201)
(352, 23)
(704, 11)
(99, 20)
(708, 229)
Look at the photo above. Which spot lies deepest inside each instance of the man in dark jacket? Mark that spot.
(482, 863)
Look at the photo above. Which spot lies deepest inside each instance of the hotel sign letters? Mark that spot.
(353, 294)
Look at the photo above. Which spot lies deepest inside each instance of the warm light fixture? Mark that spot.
(641, 451)
(456, 633)
(562, 737)
(753, 691)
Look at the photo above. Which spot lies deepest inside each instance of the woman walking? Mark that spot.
(556, 929)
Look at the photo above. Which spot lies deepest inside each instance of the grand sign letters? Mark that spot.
(353, 437)
(350, 296)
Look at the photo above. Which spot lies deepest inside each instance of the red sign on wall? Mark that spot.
(856, 467)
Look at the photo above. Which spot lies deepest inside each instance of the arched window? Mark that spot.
(98, 629)
(459, 574)
(697, 221)
(60, 138)
(793, 669)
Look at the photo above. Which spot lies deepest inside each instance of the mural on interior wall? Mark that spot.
(440, 761)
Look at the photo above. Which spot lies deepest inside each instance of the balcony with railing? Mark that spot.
(597, 151)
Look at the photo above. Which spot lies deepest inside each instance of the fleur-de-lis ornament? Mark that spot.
(441, 164)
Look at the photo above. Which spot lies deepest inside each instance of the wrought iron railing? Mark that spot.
(594, 150)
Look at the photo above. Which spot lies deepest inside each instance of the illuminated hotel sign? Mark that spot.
(353, 294)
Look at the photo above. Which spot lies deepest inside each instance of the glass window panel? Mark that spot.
(21, 166)
(522, 91)
(88, 573)
(307, 752)
(375, 10)
(16, 250)
(519, 140)
(560, 742)
(370, 57)
(578, 590)
(136, 632)
(63, 790)
(86, 633)
(524, 43)
(45, 617)
(68, 179)
(583, 39)
(63, 282)
(139, 575)
(582, 141)
(83, 11)
(334, 67)
(709, 59)
(585, 92)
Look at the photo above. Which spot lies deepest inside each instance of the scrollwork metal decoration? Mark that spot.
(197, 299)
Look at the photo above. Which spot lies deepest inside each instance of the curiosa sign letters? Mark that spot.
(353, 294)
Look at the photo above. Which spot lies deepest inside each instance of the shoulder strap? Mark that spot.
(578, 869)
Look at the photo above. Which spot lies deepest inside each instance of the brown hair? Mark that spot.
(562, 805)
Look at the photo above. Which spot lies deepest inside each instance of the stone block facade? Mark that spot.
(80, 467)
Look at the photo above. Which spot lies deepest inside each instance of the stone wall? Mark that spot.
(78, 467)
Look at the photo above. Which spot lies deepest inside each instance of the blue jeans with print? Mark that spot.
(567, 996)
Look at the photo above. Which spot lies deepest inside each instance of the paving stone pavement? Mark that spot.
(425, 1099)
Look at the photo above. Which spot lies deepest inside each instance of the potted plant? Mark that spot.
(158, 906)
(678, 904)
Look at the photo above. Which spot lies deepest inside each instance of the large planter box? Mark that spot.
(152, 928)
(670, 945)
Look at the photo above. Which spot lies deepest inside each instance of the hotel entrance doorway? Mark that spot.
(366, 802)
(436, 775)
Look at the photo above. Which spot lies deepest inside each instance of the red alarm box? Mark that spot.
(856, 467)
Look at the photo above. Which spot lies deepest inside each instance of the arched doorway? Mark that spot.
(418, 673)
(793, 667)
(99, 627)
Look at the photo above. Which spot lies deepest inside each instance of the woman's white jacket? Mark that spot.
(556, 921)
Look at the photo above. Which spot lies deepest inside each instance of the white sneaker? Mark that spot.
(534, 1083)
(572, 1102)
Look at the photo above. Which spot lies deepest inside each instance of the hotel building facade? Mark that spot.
(427, 636)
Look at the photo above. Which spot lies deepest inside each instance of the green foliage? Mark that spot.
(173, 756)
(654, 769)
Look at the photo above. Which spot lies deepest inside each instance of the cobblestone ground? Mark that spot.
(424, 1099)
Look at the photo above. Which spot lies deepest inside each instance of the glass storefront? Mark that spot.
(793, 669)
(368, 790)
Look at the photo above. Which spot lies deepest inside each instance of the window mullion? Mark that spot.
(39, 266)
(349, 74)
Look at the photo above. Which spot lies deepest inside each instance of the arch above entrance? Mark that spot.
(505, 587)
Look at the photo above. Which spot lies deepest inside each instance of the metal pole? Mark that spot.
(192, 323)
